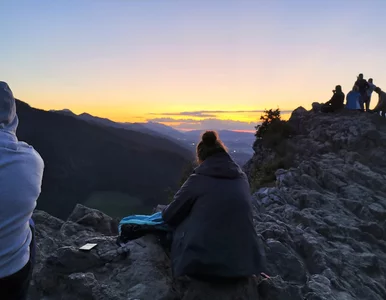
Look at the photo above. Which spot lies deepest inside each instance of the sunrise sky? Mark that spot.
(190, 64)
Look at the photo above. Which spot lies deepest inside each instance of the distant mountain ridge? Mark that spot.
(106, 122)
(239, 143)
(83, 159)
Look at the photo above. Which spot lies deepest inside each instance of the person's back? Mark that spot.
(212, 216)
(21, 170)
(353, 98)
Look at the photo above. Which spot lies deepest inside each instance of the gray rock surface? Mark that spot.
(324, 223)
(323, 228)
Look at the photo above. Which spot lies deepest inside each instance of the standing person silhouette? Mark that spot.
(369, 91)
(362, 85)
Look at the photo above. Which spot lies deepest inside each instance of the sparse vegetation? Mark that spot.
(272, 135)
(273, 130)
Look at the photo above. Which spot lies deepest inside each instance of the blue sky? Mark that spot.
(138, 60)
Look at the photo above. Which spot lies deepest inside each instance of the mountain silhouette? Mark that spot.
(106, 122)
(83, 158)
(238, 143)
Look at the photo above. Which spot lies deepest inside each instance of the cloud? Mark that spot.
(212, 113)
(208, 119)
(172, 120)
(206, 124)
(201, 114)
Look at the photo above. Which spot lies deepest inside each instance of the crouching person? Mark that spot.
(381, 105)
(21, 171)
(214, 238)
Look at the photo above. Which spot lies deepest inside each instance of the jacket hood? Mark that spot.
(220, 165)
(8, 117)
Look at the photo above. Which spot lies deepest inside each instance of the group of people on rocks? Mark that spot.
(358, 98)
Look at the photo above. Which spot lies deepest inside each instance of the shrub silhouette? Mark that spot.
(273, 130)
(272, 133)
(268, 118)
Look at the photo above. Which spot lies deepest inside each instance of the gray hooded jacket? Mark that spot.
(212, 216)
(21, 171)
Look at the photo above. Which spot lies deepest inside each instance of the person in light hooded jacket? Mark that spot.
(353, 99)
(214, 237)
(21, 171)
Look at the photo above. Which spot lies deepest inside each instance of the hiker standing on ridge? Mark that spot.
(21, 172)
(214, 237)
(363, 85)
(336, 102)
(369, 91)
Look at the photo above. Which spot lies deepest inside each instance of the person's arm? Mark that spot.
(183, 201)
(331, 100)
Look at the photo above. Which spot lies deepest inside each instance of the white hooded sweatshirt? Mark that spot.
(21, 172)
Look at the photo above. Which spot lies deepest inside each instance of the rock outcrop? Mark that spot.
(323, 226)
(324, 223)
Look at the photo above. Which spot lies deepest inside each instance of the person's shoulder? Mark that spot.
(29, 152)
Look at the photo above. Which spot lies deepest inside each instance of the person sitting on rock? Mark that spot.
(381, 105)
(21, 172)
(353, 98)
(362, 85)
(214, 236)
(336, 102)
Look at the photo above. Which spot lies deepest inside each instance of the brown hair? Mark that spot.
(209, 145)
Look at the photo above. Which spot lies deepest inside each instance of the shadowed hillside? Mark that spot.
(83, 159)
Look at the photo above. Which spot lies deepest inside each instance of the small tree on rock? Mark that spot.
(273, 130)
(269, 117)
(273, 135)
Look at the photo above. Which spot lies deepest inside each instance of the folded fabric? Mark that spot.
(154, 220)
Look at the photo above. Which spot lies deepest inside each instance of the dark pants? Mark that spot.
(363, 100)
(367, 102)
(15, 287)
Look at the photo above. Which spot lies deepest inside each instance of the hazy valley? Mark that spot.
(118, 168)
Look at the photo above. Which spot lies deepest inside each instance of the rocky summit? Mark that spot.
(322, 223)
